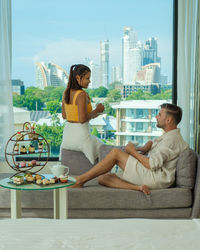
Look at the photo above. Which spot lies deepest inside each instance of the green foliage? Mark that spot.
(108, 109)
(53, 134)
(54, 107)
(140, 95)
(35, 97)
(99, 92)
(114, 95)
(95, 132)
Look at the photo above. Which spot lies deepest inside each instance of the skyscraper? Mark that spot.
(50, 74)
(95, 75)
(150, 53)
(131, 53)
(104, 63)
(116, 73)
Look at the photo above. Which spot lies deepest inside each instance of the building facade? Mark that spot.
(18, 87)
(50, 74)
(136, 121)
(104, 63)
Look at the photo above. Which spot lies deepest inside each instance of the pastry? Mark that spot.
(23, 150)
(38, 177)
(30, 164)
(30, 177)
(18, 180)
(22, 164)
(38, 181)
(45, 182)
(63, 178)
(19, 136)
(31, 149)
(52, 181)
(33, 162)
(16, 148)
(40, 146)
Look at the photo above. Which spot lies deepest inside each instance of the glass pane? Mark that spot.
(128, 47)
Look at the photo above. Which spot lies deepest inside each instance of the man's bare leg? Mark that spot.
(116, 156)
(112, 180)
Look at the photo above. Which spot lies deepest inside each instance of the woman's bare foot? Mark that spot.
(145, 189)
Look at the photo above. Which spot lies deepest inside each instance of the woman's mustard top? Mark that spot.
(71, 110)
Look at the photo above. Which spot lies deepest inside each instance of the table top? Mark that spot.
(8, 183)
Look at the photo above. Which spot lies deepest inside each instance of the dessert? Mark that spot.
(39, 181)
(19, 136)
(63, 178)
(23, 149)
(30, 177)
(40, 146)
(33, 162)
(30, 164)
(23, 164)
(18, 180)
(52, 181)
(45, 182)
(38, 177)
(16, 148)
(31, 149)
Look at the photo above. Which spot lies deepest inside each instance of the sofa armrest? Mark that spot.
(196, 194)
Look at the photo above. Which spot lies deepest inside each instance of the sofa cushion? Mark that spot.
(186, 169)
(76, 161)
(95, 196)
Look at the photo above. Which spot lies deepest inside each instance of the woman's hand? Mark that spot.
(99, 108)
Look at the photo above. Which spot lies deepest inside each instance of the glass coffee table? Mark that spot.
(60, 201)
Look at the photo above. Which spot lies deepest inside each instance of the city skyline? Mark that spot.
(60, 44)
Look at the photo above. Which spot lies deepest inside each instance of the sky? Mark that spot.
(65, 32)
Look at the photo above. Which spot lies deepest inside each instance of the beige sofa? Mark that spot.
(96, 201)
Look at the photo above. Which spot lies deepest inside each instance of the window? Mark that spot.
(129, 51)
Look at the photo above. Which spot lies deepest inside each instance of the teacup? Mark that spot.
(59, 169)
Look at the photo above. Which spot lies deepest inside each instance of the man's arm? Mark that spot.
(145, 148)
(130, 149)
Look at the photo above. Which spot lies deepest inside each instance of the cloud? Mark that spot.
(69, 51)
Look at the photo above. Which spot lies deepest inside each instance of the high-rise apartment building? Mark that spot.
(95, 81)
(136, 121)
(131, 55)
(18, 87)
(116, 74)
(150, 52)
(104, 63)
(50, 74)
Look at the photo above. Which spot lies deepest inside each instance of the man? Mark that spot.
(151, 166)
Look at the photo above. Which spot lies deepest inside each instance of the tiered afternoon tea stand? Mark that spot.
(28, 135)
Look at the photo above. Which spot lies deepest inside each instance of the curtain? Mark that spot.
(197, 86)
(187, 65)
(6, 107)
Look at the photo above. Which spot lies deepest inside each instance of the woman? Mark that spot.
(77, 110)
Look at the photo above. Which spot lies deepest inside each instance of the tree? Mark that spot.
(53, 107)
(138, 95)
(108, 109)
(95, 132)
(100, 92)
(114, 95)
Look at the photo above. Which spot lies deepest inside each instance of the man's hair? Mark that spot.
(174, 111)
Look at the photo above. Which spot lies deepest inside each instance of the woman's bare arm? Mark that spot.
(63, 110)
(82, 102)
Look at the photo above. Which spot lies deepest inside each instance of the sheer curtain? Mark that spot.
(187, 62)
(6, 108)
